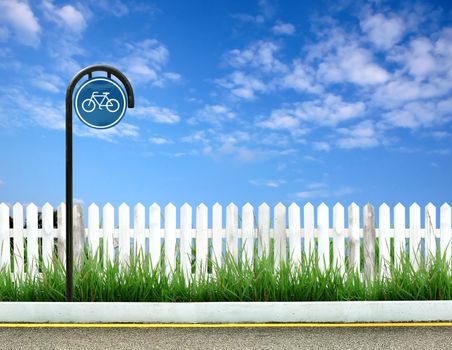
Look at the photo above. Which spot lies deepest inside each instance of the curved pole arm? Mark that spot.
(110, 71)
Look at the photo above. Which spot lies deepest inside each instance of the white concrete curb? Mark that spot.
(233, 312)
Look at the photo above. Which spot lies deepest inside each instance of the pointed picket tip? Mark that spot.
(231, 205)
(353, 205)
(338, 206)
(139, 206)
(108, 206)
(185, 206)
(294, 206)
(430, 206)
(399, 206)
(368, 205)
(248, 206)
(47, 206)
(280, 206)
(17, 206)
(154, 206)
(445, 206)
(323, 206)
(216, 206)
(170, 206)
(202, 206)
(123, 206)
(415, 206)
(93, 206)
(264, 206)
(3, 206)
(384, 206)
(32, 206)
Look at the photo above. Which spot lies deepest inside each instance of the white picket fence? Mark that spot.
(284, 228)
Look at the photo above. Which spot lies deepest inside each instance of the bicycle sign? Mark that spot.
(100, 103)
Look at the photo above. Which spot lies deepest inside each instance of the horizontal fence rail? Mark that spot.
(26, 241)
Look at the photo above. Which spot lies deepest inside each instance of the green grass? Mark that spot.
(232, 282)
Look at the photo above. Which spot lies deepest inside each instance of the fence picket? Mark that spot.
(4, 237)
(217, 235)
(139, 227)
(186, 240)
(263, 233)
(446, 232)
(294, 236)
(61, 233)
(383, 240)
(78, 234)
(353, 237)
(369, 241)
(280, 234)
(323, 237)
(32, 239)
(430, 236)
(124, 234)
(232, 222)
(415, 235)
(108, 227)
(47, 234)
(202, 251)
(170, 238)
(155, 234)
(18, 237)
(309, 241)
(93, 228)
(338, 237)
(399, 234)
(248, 234)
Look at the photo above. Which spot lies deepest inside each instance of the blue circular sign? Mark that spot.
(100, 103)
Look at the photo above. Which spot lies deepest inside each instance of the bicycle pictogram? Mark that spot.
(100, 100)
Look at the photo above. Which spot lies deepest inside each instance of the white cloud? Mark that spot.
(259, 55)
(18, 17)
(329, 111)
(283, 29)
(353, 65)
(267, 183)
(361, 135)
(300, 77)
(160, 140)
(321, 190)
(417, 114)
(242, 85)
(383, 31)
(144, 62)
(66, 16)
(48, 82)
(213, 114)
(125, 130)
(154, 113)
(321, 146)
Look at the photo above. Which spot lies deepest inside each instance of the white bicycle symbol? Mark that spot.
(100, 100)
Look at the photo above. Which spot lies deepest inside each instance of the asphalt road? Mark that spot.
(226, 338)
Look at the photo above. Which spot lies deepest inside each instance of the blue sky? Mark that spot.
(235, 101)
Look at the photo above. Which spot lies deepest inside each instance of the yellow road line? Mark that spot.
(223, 325)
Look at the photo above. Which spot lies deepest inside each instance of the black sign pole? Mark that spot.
(69, 194)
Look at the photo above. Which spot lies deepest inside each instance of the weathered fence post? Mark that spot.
(369, 241)
(232, 221)
(78, 234)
